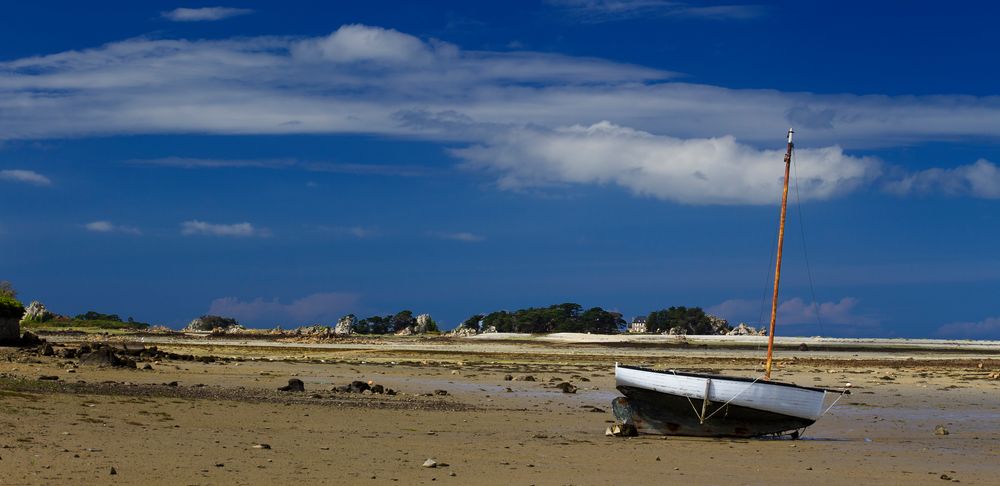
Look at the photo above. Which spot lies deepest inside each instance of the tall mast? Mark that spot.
(777, 265)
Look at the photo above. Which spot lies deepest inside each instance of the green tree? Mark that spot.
(502, 321)
(691, 320)
(402, 320)
(472, 322)
(7, 289)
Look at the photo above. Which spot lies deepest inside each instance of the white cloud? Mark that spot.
(354, 43)
(109, 227)
(370, 80)
(693, 171)
(195, 227)
(988, 328)
(796, 311)
(329, 167)
(597, 11)
(26, 176)
(320, 307)
(457, 236)
(980, 179)
(204, 14)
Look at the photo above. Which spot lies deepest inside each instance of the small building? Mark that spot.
(638, 325)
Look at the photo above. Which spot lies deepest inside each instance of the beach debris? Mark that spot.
(524, 378)
(566, 387)
(294, 385)
(430, 463)
(621, 430)
(941, 430)
(994, 376)
(262, 446)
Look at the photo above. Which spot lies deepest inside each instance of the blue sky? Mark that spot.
(292, 162)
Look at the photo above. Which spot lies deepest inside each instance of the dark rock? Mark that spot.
(172, 383)
(101, 358)
(46, 350)
(147, 366)
(49, 377)
(390, 391)
(342, 389)
(378, 389)
(441, 392)
(84, 349)
(940, 430)
(359, 386)
(30, 339)
(566, 387)
(507, 377)
(67, 353)
(294, 385)
(803, 347)
(114, 471)
(524, 378)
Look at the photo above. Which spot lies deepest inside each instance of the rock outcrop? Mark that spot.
(719, 325)
(36, 312)
(10, 330)
(215, 325)
(345, 326)
(424, 324)
(463, 332)
(744, 330)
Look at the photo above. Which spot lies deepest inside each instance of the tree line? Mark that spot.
(570, 317)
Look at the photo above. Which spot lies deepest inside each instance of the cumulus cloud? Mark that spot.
(457, 236)
(25, 176)
(204, 14)
(988, 328)
(371, 80)
(242, 230)
(797, 311)
(353, 43)
(109, 227)
(694, 171)
(318, 307)
(980, 179)
(598, 11)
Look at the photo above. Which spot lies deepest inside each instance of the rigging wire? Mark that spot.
(805, 254)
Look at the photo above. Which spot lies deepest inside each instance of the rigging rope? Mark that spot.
(805, 254)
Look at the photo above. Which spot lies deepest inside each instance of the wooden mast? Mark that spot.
(777, 265)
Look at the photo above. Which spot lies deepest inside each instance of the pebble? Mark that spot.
(261, 446)
(430, 463)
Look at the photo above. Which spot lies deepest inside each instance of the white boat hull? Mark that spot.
(675, 402)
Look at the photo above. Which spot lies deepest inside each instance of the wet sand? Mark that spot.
(203, 431)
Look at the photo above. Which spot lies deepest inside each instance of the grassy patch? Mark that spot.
(85, 325)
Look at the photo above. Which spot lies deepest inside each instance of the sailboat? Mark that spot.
(672, 402)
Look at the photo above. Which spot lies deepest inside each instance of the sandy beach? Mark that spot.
(225, 422)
